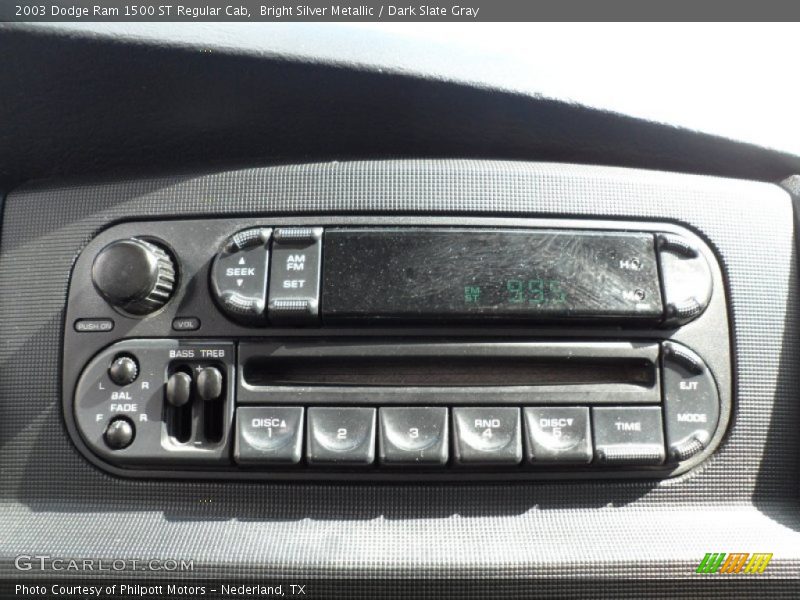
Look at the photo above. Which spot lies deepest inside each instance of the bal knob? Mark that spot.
(134, 275)
(124, 370)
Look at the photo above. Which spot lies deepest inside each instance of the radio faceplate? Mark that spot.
(644, 382)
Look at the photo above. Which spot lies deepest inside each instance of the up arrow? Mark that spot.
(241, 262)
(239, 282)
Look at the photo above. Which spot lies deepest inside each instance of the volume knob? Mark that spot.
(134, 275)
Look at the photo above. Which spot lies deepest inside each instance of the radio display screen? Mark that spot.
(422, 274)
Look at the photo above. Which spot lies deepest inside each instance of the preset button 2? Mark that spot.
(341, 435)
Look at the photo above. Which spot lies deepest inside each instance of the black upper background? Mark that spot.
(75, 104)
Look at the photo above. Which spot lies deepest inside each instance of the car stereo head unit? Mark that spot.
(396, 348)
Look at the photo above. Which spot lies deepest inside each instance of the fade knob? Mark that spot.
(134, 275)
(119, 434)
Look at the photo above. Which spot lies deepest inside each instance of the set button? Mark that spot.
(295, 275)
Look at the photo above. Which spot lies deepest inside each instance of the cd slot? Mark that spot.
(440, 373)
(447, 371)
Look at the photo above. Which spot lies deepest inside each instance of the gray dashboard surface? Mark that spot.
(745, 498)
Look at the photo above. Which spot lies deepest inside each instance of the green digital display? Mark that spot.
(534, 292)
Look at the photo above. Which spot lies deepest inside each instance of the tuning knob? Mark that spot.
(134, 275)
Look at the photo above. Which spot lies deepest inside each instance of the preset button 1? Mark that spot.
(269, 434)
